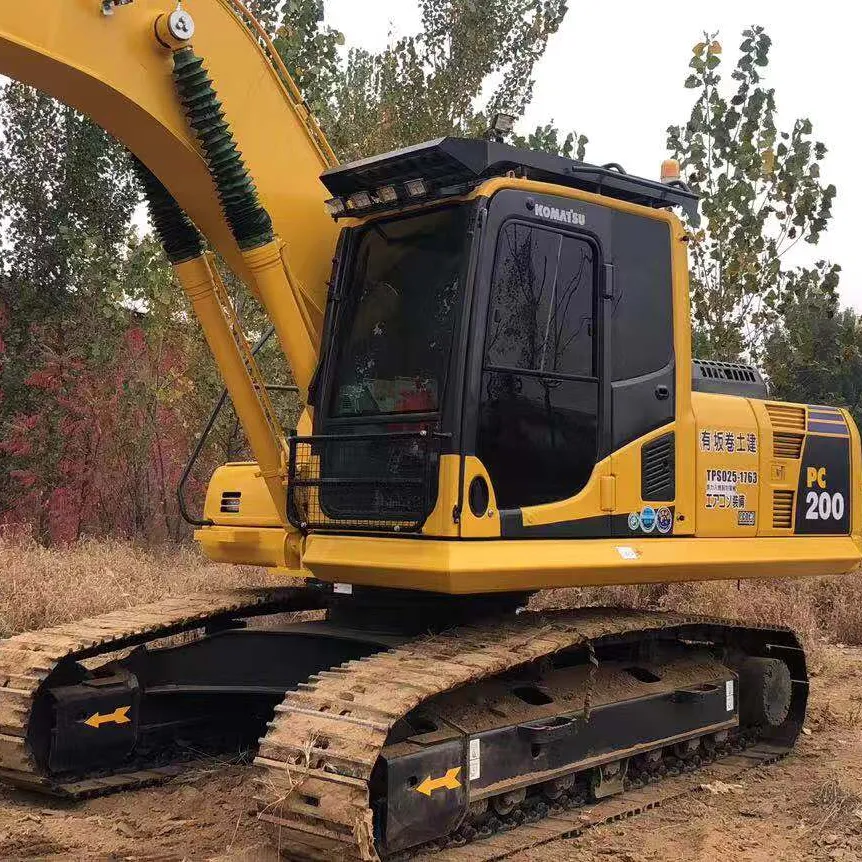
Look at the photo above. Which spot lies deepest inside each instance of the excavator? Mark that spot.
(493, 351)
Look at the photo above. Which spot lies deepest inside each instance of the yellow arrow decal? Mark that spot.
(448, 782)
(119, 716)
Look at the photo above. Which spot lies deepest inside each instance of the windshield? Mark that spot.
(398, 317)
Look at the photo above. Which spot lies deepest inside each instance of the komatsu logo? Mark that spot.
(564, 216)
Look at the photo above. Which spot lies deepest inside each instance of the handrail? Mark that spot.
(292, 91)
(204, 437)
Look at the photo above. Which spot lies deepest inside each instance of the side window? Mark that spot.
(524, 279)
(541, 316)
(538, 415)
(642, 317)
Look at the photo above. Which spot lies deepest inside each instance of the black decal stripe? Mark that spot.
(825, 428)
(601, 527)
(831, 454)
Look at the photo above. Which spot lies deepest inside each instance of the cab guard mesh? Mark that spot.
(363, 482)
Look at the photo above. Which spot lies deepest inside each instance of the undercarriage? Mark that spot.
(397, 726)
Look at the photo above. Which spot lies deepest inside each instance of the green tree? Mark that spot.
(267, 12)
(103, 377)
(762, 196)
(469, 60)
(67, 196)
(814, 354)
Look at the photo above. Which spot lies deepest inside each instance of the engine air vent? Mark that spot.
(728, 378)
(782, 509)
(788, 427)
(230, 502)
(786, 417)
(658, 469)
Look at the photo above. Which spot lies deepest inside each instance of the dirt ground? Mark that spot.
(809, 807)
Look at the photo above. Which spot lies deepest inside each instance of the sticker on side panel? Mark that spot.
(823, 493)
(475, 759)
(648, 519)
(726, 489)
(747, 518)
(627, 553)
(635, 521)
(664, 520)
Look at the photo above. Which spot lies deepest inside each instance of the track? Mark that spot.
(317, 759)
(27, 662)
(575, 817)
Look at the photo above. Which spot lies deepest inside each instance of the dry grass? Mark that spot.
(41, 587)
(819, 609)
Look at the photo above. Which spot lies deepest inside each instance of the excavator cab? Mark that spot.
(489, 314)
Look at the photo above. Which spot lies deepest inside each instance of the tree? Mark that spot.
(103, 377)
(814, 354)
(762, 196)
(426, 85)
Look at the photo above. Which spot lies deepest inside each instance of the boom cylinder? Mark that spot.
(199, 282)
(248, 219)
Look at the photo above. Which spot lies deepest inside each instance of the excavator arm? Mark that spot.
(223, 143)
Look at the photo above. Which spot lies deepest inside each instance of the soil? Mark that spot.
(808, 807)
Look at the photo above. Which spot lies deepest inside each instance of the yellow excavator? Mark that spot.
(493, 349)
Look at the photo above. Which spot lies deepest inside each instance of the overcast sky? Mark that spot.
(615, 73)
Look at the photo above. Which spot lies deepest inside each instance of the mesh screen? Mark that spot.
(373, 482)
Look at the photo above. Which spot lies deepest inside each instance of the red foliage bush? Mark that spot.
(104, 448)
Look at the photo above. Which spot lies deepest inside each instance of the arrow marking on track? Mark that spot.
(119, 716)
(448, 782)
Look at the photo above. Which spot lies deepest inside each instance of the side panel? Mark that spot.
(728, 466)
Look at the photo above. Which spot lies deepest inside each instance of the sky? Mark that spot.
(615, 73)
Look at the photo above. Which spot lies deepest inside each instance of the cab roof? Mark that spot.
(453, 166)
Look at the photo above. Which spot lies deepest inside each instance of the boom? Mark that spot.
(113, 69)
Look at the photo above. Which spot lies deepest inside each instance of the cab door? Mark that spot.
(537, 392)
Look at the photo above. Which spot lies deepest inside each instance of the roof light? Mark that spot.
(359, 201)
(670, 171)
(503, 124)
(335, 206)
(387, 194)
(416, 188)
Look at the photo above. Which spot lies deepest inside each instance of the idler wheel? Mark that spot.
(765, 691)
